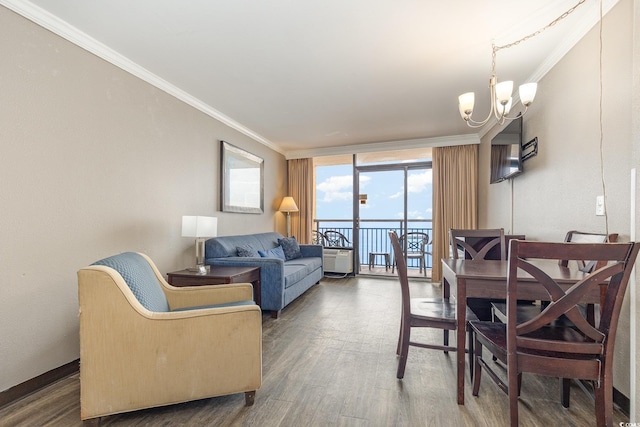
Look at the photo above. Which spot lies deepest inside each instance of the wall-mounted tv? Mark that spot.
(506, 152)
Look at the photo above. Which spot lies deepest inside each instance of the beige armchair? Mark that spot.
(145, 343)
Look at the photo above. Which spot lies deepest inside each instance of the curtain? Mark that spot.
(300, 185)
(455, 197)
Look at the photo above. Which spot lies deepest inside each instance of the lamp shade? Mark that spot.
(199, 226)
(288, 205)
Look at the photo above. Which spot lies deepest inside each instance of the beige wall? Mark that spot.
(558, 190)
(94, 162)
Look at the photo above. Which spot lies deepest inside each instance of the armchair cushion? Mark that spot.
(138, 275)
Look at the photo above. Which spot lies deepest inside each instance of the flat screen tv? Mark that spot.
(506, 152)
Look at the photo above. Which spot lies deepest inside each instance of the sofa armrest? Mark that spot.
(271, 277)
(309, 251)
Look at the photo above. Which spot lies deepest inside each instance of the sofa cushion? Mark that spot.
(295, 270)
(226, 246)
(290, 247)
(276, 252)
(247, 251)
(139, 276)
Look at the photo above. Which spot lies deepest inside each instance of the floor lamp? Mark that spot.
(288, 205)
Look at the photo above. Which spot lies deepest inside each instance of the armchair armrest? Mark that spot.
(194, 296)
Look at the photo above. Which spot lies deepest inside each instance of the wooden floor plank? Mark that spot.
(330, 360)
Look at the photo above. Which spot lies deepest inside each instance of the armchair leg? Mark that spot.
(275, 314)
(92, 422)
(250, 397)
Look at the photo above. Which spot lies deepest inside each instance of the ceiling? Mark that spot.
(304, 76)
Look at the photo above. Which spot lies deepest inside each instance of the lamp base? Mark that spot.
(200, 269)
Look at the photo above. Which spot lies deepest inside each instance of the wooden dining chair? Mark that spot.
(439, 313)
(581, 351)
(478, 244)
(499, 310)
(529, 311)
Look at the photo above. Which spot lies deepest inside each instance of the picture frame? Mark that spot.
(242, 180)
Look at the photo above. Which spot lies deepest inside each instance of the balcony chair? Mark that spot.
(333, 238)
(145, 343)
(580, 351)
(317, 238)
(415, 243)
(423, 313)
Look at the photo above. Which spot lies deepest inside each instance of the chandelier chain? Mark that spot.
(535, 33)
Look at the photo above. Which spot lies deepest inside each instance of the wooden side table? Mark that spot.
(218, 275)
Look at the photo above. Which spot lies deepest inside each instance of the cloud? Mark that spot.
(416, 183)
(339, 188)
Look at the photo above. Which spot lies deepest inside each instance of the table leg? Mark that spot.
(461, 320)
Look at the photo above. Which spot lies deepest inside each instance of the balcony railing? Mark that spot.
(374, 235)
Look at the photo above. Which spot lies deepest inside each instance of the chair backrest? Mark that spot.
(317, 238)
(141, 279)
(401, 265)
(414, 242)
(583, 237)
(618, 258)
(491, 238)
(333, 238)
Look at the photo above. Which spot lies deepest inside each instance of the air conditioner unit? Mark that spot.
(338, 260)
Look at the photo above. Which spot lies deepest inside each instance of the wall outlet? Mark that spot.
(599, 205)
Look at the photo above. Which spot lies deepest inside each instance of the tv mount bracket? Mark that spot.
(530, 149)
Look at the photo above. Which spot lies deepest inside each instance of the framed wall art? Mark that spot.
(242, 180)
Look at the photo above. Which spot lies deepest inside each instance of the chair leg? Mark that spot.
(477, 368)
(399, 347)
(604, 402)
(404, 350)
(445, 339)
(514, 391)
(565, 389)
(250, 397)
(471, 349)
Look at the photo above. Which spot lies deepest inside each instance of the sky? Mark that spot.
(384, 190)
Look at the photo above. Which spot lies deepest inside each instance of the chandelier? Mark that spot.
(500, 92)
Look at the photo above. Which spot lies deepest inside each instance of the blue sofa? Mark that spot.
(281, 281)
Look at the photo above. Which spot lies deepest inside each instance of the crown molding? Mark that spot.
(573, 37)
(63, 29)
(375, 147)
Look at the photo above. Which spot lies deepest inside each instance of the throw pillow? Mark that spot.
(246, 251)
(276, 252)
(290, 247)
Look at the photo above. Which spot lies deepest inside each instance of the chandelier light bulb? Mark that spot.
(504, 91)
(503, 109)
(527, 93)
(465, 104)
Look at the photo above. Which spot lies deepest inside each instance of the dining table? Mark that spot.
(465, 278)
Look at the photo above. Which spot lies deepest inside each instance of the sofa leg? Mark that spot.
(250, 397)
(275, 313)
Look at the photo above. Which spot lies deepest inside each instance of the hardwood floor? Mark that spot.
(330, 360)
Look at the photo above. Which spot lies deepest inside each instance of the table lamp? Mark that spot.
(288, 205)
(199, 227)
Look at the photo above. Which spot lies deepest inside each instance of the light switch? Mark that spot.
(599, 205)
